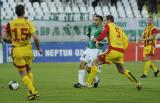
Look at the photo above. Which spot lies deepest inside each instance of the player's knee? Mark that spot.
(28, 68)
(95, 62)
(121, 71)
(88, 69)
(120, 68)
(82, 65)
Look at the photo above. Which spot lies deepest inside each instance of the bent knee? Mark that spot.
(82, 64)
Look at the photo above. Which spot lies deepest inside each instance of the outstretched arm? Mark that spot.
(6, 34)
(154, 32)
(6, 38)
(103, 34)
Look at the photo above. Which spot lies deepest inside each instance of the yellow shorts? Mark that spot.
(112, 56)
(22, 56)
(148, 50)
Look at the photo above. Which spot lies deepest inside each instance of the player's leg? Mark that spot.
(29, 73)
(94, 68)
(96, 79)
(20, 63)
(29, 61)
(128, 74)
(152, 65)
(146, 68)
(81, 72)
(146, 59)
(154, 68)
(118, 59)
(93, 72)
(147, 64)
(81, 75)
(95, 53)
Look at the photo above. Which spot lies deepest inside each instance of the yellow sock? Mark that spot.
(30, 74)
(94, 70)
(27, 81)
(146, 66)
(153, 66)
(130, 76)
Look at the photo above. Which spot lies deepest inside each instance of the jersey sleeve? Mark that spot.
(32, 27)
(155, 31)
(104, 33)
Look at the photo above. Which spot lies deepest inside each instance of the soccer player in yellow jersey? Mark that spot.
(118, 42)
(19, 31)
(149, 41)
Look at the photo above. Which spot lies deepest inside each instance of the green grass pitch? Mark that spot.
(55, 84)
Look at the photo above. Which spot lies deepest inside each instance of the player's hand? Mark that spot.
(97, 42)
(40, 51)
(141, 39)
(94, 39)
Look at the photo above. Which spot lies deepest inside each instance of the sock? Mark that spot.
(146, 66)
(130, 76)
(27, 81)
(94, 70)
(96, 79)
(81, 75)
(30, 75)
(153, 67)
(99, 68)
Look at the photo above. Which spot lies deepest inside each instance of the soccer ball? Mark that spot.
(13, 85)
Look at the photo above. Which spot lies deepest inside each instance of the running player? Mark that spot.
(91, 52)
(19, 31)
(118, 42)
(149, 41)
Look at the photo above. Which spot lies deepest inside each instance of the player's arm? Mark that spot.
(35, 37)
(5, 37)
(149, 38)
(157, 31)
(6, 34)
(103, 34)
(98, 32)
(36, 41)
(93, 38)
(154, 32)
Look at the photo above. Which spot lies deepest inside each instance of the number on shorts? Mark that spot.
(84, 55)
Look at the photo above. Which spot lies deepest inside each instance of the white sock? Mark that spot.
(96, 79)
(81, 74)
(99, 68)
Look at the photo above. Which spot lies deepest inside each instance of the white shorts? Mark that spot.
(89, 55)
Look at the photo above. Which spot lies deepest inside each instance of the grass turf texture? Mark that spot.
(55, 84)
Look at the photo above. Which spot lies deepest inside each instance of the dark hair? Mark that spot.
(100, 17)
(19, 10)
(110, 17)
(150, 17)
